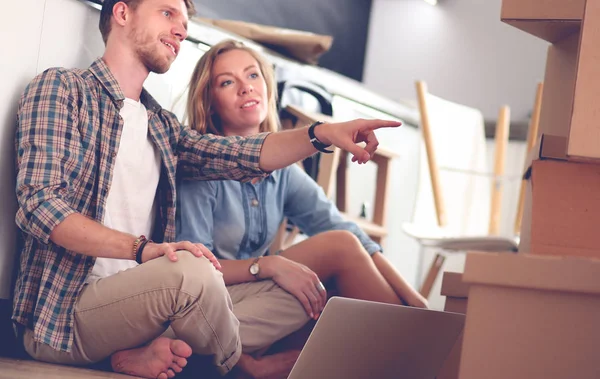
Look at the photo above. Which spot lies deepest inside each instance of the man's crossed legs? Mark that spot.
(123, 317)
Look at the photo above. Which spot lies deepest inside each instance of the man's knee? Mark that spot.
(191, 274)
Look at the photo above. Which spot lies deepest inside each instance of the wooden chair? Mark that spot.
(332, 177)
(325, 178)
(446, 237)
(531, 138)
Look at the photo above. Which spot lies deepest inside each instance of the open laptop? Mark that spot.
(357, 339)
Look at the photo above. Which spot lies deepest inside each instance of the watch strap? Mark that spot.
(255, 262)
(322, 147)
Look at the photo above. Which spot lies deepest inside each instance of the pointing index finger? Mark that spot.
(376, 124)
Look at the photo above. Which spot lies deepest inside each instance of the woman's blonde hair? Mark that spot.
(199, 100)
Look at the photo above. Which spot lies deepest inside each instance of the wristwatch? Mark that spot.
(322, 147)
(255, 268)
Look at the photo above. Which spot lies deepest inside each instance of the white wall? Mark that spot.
(54, 33)
(460, 48)
(14, 75)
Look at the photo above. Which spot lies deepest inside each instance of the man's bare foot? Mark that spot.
(162, 359)
(276, 366)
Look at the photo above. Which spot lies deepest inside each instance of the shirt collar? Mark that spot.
(149, 102)
(101, 71)
(274, 177)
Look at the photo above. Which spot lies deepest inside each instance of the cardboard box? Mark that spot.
(559, 87)
(561, 203)
(570, 104)
(456, 292)
(551, 20)
(565, 208)
(563, 129)
(543, 10)
(584, 134)
(531, 317)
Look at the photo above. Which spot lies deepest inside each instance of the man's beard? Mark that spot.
(145, 49)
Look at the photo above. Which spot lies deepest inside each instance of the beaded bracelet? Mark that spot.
(136, 244)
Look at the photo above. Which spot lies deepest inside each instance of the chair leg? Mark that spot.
(432, 274)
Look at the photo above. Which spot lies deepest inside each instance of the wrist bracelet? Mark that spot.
(138, 254)
(322, 147)
(136, 245)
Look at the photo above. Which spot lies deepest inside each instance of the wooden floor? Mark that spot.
(16, 369)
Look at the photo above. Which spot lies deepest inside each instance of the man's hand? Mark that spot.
(155, 250)
(284, 148)
(346, 135)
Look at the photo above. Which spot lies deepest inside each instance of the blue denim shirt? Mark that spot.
(240, 220)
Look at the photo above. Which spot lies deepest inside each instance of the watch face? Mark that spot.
(254, 268)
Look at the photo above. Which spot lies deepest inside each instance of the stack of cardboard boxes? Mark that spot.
(537, 314)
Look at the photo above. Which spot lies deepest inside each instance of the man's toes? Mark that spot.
(180, 348)
(175, 367)
(181, 362)
(162, 375)
(170, 373)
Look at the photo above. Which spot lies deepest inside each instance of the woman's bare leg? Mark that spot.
(404, 290)
(339, 255)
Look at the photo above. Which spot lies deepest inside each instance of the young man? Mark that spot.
(96, 165)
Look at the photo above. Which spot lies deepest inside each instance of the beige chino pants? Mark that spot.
(133, 307)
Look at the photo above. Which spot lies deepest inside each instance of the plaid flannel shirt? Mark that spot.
(68, 133)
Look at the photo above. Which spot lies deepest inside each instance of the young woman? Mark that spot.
(232, 93)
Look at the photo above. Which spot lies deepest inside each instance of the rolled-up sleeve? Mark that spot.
(211, 157)
(48, 146)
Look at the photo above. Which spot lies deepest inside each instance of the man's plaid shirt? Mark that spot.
(67, 139)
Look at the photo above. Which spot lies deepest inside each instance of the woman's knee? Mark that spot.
(346, 245)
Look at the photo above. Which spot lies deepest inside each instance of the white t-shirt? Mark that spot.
(130, 204)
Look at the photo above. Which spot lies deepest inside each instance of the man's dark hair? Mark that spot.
(107, 9)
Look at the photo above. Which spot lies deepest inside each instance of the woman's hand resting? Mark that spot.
(298, 280)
